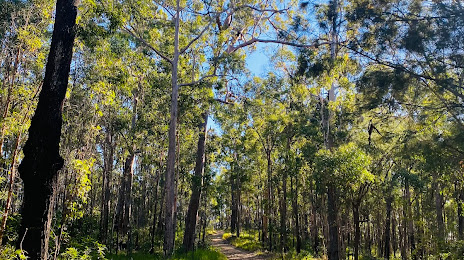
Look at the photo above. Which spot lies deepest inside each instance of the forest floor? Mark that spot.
(233, 253)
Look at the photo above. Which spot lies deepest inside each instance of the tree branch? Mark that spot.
(232, 49)
(195, 39)
(223, 101)
(198, 81)
(159, 53)
(261, 10)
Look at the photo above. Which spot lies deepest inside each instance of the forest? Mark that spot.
(232, 129)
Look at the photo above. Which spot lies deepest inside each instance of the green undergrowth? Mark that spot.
(248, 240)
(292, 255)
(199, 254)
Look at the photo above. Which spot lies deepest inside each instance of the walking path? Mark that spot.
(231, 252)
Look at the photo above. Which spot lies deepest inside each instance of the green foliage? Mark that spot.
(346, 167)
(199, 254)
(248, 240)
(8, 252)
(96, 251)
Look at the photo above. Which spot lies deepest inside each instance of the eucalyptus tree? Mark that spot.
(42, 160)
(22, 58)
(193, 20)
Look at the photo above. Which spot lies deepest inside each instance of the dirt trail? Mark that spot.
(232, 252)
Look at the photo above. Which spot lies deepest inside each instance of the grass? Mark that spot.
(248, 240)
(199, 254)
(303, 255)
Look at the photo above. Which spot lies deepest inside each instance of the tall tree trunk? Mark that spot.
(283, 211)
(42, 159)
(460, 214)
(170, 184)
(197, 183)
(123, 209)
(333, 223)
(239, 206)
(234, 204)
(314, 228)
(387, 252)
(295, 214)
(155, 198)
(267, 201)
(439, 213)
(283, 214)
(357, 230)
(332, 197)
(393, 234)
(411, 238)
(10, 187)
(106, 192)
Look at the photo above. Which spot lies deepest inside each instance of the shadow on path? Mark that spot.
(231, 252)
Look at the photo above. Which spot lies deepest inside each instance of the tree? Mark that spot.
(42, 160)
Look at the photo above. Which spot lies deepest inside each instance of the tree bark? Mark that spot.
(106, 192)
(387, 252)
(295, 214)
(197, 183)
(10, 187)
(357, 230)
(153, 232)
(439, 213)
(332, 215)
(123, 209)
(283, 214)
(410, 233)
(42, 160)
(460, 214)
(267, 215)
(234, 204)
(170, 185)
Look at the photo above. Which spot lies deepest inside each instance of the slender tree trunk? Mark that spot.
(295, 214)
(197, 183)
(8, 97)
(357, 230)
(234, 204)
(393, 234)
(387, 252)
(334, 253)
(411, 238)
(283, 214)
(10, 187)
(315, 225)
(239, 206)
(460, 214)
(153, 232)
(42, 160)
(170, 185)
(267, 202)
(106, 192)
(439, 213)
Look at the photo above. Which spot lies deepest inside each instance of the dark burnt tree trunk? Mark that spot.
(42, 159)
(197, 183)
